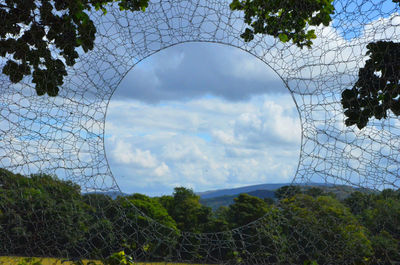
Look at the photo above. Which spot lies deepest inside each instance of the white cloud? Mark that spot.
(282, 121)
(272, 122)
(125, 154)
(204, 143)
(184, 149)
(224, 137)
(161, 170)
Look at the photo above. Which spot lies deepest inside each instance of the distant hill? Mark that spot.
(236, 191)
(216, 202)
(263, 194)
(247, 189)
(209, 199)
(227, 200)
(224, 197)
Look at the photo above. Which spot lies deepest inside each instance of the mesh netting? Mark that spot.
(64, 136)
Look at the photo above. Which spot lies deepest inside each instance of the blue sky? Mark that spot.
(350, 23)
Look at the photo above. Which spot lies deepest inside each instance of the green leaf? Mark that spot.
(235, 5)
(248, 35)
(283, 37)
(311, 35)
(79, 42)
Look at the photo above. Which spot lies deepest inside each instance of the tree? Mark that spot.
(269, 201)
(286, 19)
(377, 89)
(187, 211)
(246, 209)
(383, 221)
(102, 239)
(287, 192)
(358, 202)
(42, 37)
(323, 230)
(150, 207)
(39, 213)
(314, 192)
(260, 239)
(139, 223)
(190, 216)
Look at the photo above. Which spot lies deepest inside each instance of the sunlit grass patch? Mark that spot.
(9, 260)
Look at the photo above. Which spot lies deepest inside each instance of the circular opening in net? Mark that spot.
(204, 117)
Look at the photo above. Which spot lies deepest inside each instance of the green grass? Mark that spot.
(9, 260)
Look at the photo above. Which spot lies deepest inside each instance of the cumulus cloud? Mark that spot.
(161, 170)
(125, 154)
(208, 143)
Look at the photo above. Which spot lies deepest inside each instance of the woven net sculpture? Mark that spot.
(64, 135)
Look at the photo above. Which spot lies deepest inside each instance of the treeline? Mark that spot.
(41, 215)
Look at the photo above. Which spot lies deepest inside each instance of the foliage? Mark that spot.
(287, 191)
(298, 229)
(285, 19)
(187, 211)
(264, 241)
(141, 212)
(119, 258)
(383, 221)
(315, 192)
(358, 202)
(150, 207)
(324, 230)
(41, 37)
(26, 204)
(380, 214)
(246, 209)
(377, 88)
(386, 248)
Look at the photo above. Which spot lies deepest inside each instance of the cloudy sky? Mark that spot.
(207, 116)
(203, 116)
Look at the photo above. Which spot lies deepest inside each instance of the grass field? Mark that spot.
(43, 261)
(53, 261)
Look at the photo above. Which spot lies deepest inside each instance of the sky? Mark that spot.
(207, 116)
(202, 116)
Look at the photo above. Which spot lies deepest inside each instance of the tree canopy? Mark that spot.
(41, 215)
(185, 208)
(287, 20)
(377, 88)
(41, 38)
(337, 235)
(246, 209)
(287, 191)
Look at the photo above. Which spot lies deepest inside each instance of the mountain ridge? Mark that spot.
(245, 189)
(339, 191)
